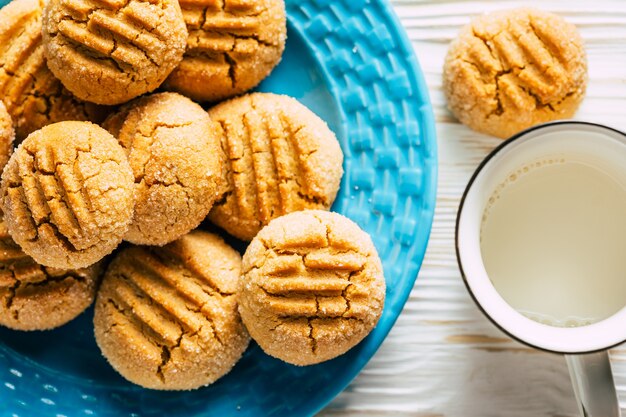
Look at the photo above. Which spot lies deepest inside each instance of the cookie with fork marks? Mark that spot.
(311, 288)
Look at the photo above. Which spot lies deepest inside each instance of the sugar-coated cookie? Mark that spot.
(511, 69)
(166, 317)
(311, 288)
(7, 135)
(109, 52)
(232, 46)
(34, 297)
(174, 151)
(33, 96)
(280, 157)
(68, 194)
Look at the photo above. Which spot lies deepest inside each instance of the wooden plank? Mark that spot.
(443, 358)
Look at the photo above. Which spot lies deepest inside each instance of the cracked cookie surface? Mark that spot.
(67, 194)
(280, 158)
(33, 96)
(174, 152)
(311, 288)
(512, 69)
(166, 317)
(7, 135)
(110, 51)
(232, 46)
(34, 297)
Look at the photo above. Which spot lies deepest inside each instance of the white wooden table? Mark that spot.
(443, 358)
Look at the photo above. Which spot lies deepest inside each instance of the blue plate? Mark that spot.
(351, 63)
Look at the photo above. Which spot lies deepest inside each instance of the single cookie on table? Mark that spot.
(281, 158)
(174, 151)
(311, 288)
(32, 95)
(512, 69)
(109, 52)
(7, 135)
(166, 317)
(34, 297)
(231, 47)
(67, 194)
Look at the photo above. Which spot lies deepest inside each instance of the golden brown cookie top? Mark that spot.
(231, 47)
(32, 95)
(111, 51)
(34, 297)
(67, 194)
(281, 158)
(7, 135)
(312, 286)
(166, 318)
(174, 152)
(511, 69)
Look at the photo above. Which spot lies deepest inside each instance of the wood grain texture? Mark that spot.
(443, 358)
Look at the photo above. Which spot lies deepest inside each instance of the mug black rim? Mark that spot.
(477, 171)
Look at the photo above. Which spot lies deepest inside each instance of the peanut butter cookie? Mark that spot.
(281, 158)
(174, 152)
(33, 96)
(7, 135)
(110, 51)
(232, 46)
(33, 297)
(312, 287)
(67, 194)
(512, 69)
(166, 318)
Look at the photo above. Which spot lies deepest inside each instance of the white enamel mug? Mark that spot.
(585, 346)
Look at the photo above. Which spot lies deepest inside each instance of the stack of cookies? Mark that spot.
(103, 160)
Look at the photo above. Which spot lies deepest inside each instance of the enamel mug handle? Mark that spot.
(593, 384)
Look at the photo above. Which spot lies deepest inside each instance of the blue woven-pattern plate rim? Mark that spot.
(351, 62)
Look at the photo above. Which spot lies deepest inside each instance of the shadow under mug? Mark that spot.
(585, 346)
